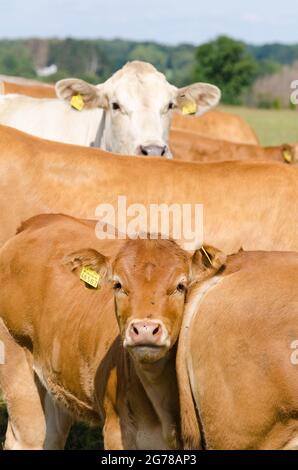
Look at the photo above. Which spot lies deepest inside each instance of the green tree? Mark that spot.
(15, 59)
(227, 64)
(149, 53)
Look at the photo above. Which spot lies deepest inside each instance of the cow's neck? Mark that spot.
(104, 134)
(99, 141)
(160, 385)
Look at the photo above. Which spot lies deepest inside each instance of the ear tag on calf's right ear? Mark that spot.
(206, 254)
(189, 108)
(90, 277)
(77, 102)
(288, 158)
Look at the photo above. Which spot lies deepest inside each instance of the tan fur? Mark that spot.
(217, 125)
(190, 146)
(36, 91)
(246, 204)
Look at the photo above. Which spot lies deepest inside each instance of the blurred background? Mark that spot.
(249, 49)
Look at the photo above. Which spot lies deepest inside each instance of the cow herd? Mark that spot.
(161, 347)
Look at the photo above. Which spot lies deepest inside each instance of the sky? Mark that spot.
(166, 21)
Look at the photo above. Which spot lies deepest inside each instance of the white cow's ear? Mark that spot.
(91, 96)
(206, 262)
(88, 258)
(197, 98)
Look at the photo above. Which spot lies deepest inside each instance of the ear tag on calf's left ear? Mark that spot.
(77, 102)
(288, 157)
(90, 277)
(189, 108)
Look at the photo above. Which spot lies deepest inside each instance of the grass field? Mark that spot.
(273, 127)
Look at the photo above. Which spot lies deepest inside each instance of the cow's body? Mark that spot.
(249, 205)
(68, 334)
(238, 351)
(52, 119)
(189, 146)
(217, 125)
(36, 90)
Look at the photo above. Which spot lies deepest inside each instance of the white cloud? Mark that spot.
(252, 18)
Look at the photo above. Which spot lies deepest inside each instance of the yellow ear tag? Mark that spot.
(77, 102)
(189, 108)
(90, 276)
(288, 157)
(206, 254)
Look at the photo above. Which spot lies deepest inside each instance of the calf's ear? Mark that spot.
(197, 98)
(87, 96)
(88, 258)
(206, 262)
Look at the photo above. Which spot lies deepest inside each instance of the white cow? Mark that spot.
(130, 113)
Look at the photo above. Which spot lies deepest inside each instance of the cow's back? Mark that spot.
(217, 125)
(246, 204)
(36, 91)
(50, 119)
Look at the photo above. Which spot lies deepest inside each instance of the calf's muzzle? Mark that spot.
(145, 333)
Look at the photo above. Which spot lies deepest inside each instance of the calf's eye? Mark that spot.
(171, 105)
(181, 287)
(117, 285)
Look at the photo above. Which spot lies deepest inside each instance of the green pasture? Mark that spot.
(273, 127)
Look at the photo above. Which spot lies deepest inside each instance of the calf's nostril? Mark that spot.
(156, 330)
(135, 330)
(163, 151)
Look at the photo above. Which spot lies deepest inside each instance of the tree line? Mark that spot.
(232, 65)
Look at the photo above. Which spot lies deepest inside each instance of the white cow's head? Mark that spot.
(139, 102)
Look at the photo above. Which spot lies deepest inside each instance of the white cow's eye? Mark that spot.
(115, 106)
(171, 105)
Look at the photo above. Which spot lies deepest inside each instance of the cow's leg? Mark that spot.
(58, 424)
(112, 433)
(26, 427)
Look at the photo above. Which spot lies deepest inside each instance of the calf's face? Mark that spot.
(150, 279)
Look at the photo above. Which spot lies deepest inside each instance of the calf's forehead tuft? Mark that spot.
(140, 252)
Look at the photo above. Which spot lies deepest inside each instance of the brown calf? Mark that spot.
(68, 334)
